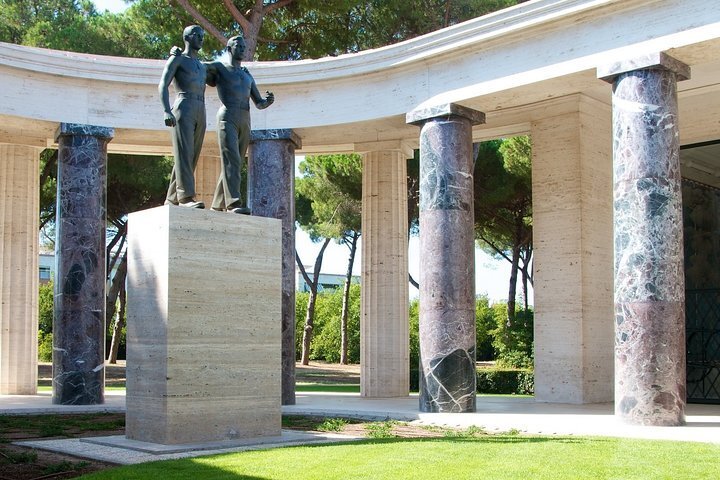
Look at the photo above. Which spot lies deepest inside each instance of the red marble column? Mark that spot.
(271, 193)
(447, 246)
(79, 316)
(649, 277)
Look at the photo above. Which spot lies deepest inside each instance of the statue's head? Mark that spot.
(193, 36)
(236, 47)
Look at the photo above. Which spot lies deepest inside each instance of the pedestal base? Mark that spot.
(203, 338)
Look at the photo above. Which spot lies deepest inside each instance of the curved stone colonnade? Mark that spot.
(531, 69)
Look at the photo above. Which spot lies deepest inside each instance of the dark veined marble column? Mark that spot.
(649, 277)
(271, 193)
(447, 271)
(79, 315)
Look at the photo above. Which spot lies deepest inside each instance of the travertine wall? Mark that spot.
(572, 240)
(19, 221)
(206, 178)
(203, 357)
(384, 337)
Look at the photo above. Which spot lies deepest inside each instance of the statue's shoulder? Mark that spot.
(214, 66)
(247, 72)
(174, 60)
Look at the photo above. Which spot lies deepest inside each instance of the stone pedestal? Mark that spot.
(271, 193)
(203, 334)
(649, 278)
(447, 247)
(79, 315)
(384, 335)
(19, 219)
(573, 251)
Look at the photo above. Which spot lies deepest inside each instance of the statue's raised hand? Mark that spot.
(176, 51)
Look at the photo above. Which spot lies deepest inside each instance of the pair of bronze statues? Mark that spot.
(235, 88)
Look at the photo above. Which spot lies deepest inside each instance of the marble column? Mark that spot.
(384, 332)
(19, 222)
(79, 316)
(649, 277)
(271, 193)
(447, 272)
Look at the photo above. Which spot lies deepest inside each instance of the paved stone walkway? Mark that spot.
(494, 414)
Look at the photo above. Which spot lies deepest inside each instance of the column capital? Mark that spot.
(424, 113)
(385, 146)
(69, 129)
(276, 134)
(656, 60)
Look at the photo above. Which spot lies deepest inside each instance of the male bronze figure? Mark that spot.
(235, 88)
(186, 117)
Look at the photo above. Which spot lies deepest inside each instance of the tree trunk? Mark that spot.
(117, 284)
(512, 290)
(310, 313)
(252, 30)
(308, 330)
(527, 255)
(117, 328)
(116, 244)
(346, 301)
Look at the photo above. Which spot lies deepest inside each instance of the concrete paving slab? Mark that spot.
(42, 404)
(119, 450)
(524, 414)
(494, 414)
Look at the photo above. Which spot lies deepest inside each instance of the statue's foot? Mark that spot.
(191, 203)
(240, 210)
(168, 202)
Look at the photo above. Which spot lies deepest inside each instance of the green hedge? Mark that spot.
(505, 381)
(494, 380)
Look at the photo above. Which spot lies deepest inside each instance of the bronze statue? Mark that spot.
(235, 88)
(187, 116)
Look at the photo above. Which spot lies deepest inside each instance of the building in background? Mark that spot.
(46, 267)
(328, 281)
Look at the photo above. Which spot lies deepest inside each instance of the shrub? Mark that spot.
(45, 348)
(45, 307)
(505, 381)
(414, 319)
(484, 325)
(326, 341)
(513, 341)
(325, 344)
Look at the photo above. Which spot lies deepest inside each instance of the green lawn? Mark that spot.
(486, 457)
(327, 387)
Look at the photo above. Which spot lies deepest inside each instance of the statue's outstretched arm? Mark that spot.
(261, 102)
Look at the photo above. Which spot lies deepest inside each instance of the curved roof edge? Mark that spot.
(494, 26)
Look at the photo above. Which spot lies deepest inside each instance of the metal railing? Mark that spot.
(702, 325)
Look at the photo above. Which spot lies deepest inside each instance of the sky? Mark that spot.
(114, 6)
(491, 276)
